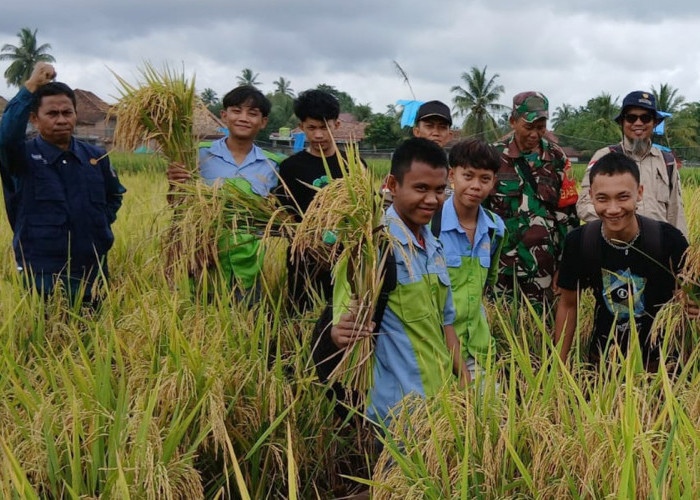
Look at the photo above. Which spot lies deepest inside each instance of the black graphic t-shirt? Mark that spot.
(620, 274)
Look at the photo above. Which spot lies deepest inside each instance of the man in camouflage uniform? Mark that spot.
(536, 197)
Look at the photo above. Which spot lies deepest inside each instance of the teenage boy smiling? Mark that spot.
(416, 350)
(620, 254)
(472, 237)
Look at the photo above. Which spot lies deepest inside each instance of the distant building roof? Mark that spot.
(89, 108)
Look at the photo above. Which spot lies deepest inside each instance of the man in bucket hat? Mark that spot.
(659, 176)
(535, 196)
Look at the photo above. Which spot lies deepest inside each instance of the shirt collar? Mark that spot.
(399, 230)
(220, 149)
(51, 152)
(513, 151)
(450, 221)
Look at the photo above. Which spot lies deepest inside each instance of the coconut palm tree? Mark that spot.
(248, 78)
(478, 100)
(282, 86)
(667, 98)
(562, 114)
(24, 57)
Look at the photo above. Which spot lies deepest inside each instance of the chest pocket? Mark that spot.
(661, 189)
(47, 185)
(508, 184)
(418, 296)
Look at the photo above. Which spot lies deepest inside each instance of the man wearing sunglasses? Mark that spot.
(659, 176)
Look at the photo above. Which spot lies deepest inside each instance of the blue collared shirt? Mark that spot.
(217, 162)
(455, 240)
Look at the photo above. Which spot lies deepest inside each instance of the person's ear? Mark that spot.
(392, 184)
(450, 175)
(416, 132)
(640, 193)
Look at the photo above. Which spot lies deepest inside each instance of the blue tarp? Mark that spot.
(661, 127)
(410, 108)
(299, 139)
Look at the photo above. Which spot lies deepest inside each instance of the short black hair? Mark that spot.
(475, 153)
(614, 163)
(248, 95)
(416, 149)
(316, 104)
(51, 88)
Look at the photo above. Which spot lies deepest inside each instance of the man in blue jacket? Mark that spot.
(61, 194)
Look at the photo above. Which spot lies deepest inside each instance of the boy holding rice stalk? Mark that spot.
(302, 174)
(630, 261)
(63, 193)
(416, 349)
(472, 237)
(237, 160)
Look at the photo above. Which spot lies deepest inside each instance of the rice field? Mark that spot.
(175, 393)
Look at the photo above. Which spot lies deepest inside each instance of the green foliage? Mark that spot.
(478, 101)
(383, 132)
(24, 57)
(589, 127)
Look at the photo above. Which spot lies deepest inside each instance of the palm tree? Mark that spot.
(667, 98)
(248, 78)
(478, 100)
(282, 86)
(24, 57)
(562, 114)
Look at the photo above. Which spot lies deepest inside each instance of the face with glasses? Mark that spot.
(638, 123)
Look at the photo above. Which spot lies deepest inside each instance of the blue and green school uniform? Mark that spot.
(240, 256)
(471, 268)
(410, 353)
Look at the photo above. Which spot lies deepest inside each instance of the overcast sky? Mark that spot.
(571, 50)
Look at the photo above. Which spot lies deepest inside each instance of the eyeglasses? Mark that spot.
(632, 118)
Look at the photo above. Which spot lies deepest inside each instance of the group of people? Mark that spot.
(512, 220)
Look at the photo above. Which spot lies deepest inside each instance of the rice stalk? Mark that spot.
(343, 227)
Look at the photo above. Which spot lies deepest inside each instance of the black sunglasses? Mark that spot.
(632, 118)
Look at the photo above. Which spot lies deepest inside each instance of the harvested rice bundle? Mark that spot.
(673, 326)
(343, 226)
(206, 214)
(159, 111)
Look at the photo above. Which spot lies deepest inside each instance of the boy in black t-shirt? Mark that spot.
(318, 113)
(616, 256)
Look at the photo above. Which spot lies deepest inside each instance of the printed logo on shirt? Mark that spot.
(38, 157)
(617, 287)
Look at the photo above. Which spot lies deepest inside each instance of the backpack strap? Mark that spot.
(651, 237)
(436, 223)
(592, 249)
(670, 168)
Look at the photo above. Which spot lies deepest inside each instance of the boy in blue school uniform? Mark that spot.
(472, 237)
(61, 194)
(416, 349)
(238, 160)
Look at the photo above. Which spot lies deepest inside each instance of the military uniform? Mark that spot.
(527, 197)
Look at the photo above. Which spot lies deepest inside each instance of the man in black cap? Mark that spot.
(659, 176)
(434, 122)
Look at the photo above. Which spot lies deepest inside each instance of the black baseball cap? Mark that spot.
(434, 108)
